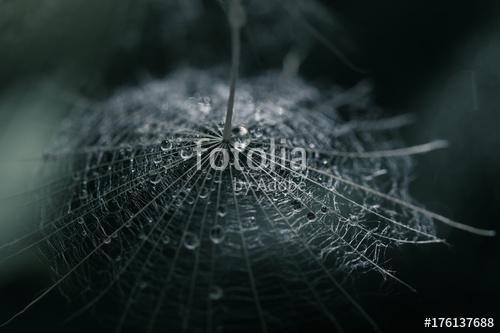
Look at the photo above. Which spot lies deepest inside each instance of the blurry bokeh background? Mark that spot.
(436, 60)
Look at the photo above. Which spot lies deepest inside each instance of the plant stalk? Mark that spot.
(236, 21)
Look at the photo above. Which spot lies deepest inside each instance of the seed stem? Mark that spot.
(236, 18)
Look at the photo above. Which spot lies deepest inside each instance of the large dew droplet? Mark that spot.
(241, 138)
(240, 131)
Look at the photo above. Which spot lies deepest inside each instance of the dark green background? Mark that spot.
(439, 60)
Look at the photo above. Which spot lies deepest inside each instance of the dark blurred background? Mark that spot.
(437, 60)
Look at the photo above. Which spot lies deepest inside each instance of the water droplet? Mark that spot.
(80, 220)
(190, 200)
(166, 145)
(324, 209)
(221, 211)
(204, 192)
(186, 153)
(217, 234)
(157, 159)
(216, 293)
(296, 205)
(107, 240)
(241, 138)
(311, 216)
(258, 132)
(240, 131)
(154, 177)
(191, 241)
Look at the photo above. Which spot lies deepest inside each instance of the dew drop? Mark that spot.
(157, 159)
(190, 200)
(165, 145)
(296, 205)
(240, 131)
(324, 209)
(186, 153)
(241, 138)
(191, 241)
(217, 234)
(216, 293)
(221, 211)
(204, 192)
(154, 177)
(311, 216)
(258, 132)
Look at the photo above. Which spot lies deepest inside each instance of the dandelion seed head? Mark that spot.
(204, 250)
